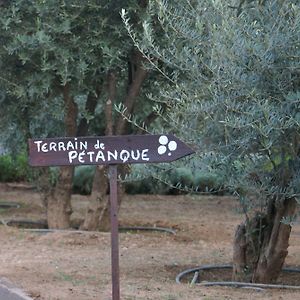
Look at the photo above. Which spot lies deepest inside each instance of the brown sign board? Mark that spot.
(106, 150)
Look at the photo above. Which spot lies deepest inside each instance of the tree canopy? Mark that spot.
(235, 94)
(47, 45)
(64, 67)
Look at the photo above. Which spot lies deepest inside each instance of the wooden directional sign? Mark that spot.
(106, 150)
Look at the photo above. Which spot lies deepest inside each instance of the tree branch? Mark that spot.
(71, 111)
(90, 107)
(149, 120)
(143, 3)
(139, 77)
(111, 86)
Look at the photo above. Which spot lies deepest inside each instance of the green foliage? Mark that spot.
(47, 45)
(7, 171)
(142, 181)
(181, 176)
(83, 179)
(14, 169)
(235, 92)
(53, 175)
(209, 182)
(22, 169)
(172, 180)
(194, 180)
(145, 186)
(64, 42)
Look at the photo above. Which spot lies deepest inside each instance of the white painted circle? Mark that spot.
(172, 146)
(169, 153)
(163, 140)
(162, 150)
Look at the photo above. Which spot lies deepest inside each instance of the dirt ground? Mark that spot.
(65, 266)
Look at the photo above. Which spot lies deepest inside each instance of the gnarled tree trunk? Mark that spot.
(96, 217)
(59, 199)
(59, 207)
(261, 244)
(98, 213)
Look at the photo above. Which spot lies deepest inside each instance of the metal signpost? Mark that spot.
(111, 151)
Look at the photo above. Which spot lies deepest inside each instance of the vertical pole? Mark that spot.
(115, 270)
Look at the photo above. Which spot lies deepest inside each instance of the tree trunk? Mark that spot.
(275, 246)
(90, 107)
(138, 75)
(96, 217)
(261, 244)
(97, 203)
(59, 207)
(98, 212)
(59, 200)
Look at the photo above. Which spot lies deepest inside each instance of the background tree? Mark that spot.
(67, 64)
(235, 93)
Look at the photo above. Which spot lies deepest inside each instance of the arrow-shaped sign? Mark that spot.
(106, 150)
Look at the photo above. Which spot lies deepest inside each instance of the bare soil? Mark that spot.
(65, 266)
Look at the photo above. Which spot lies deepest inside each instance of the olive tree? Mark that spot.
(64, 65)
(235, 92)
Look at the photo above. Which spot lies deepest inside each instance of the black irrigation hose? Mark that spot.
(7, 205)
(201, 268)
(29, 223)
(250, 285)
(144, 228)
(45, 230)
(60, 230)
(234, 283)
(85, 231)
(168, 230)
